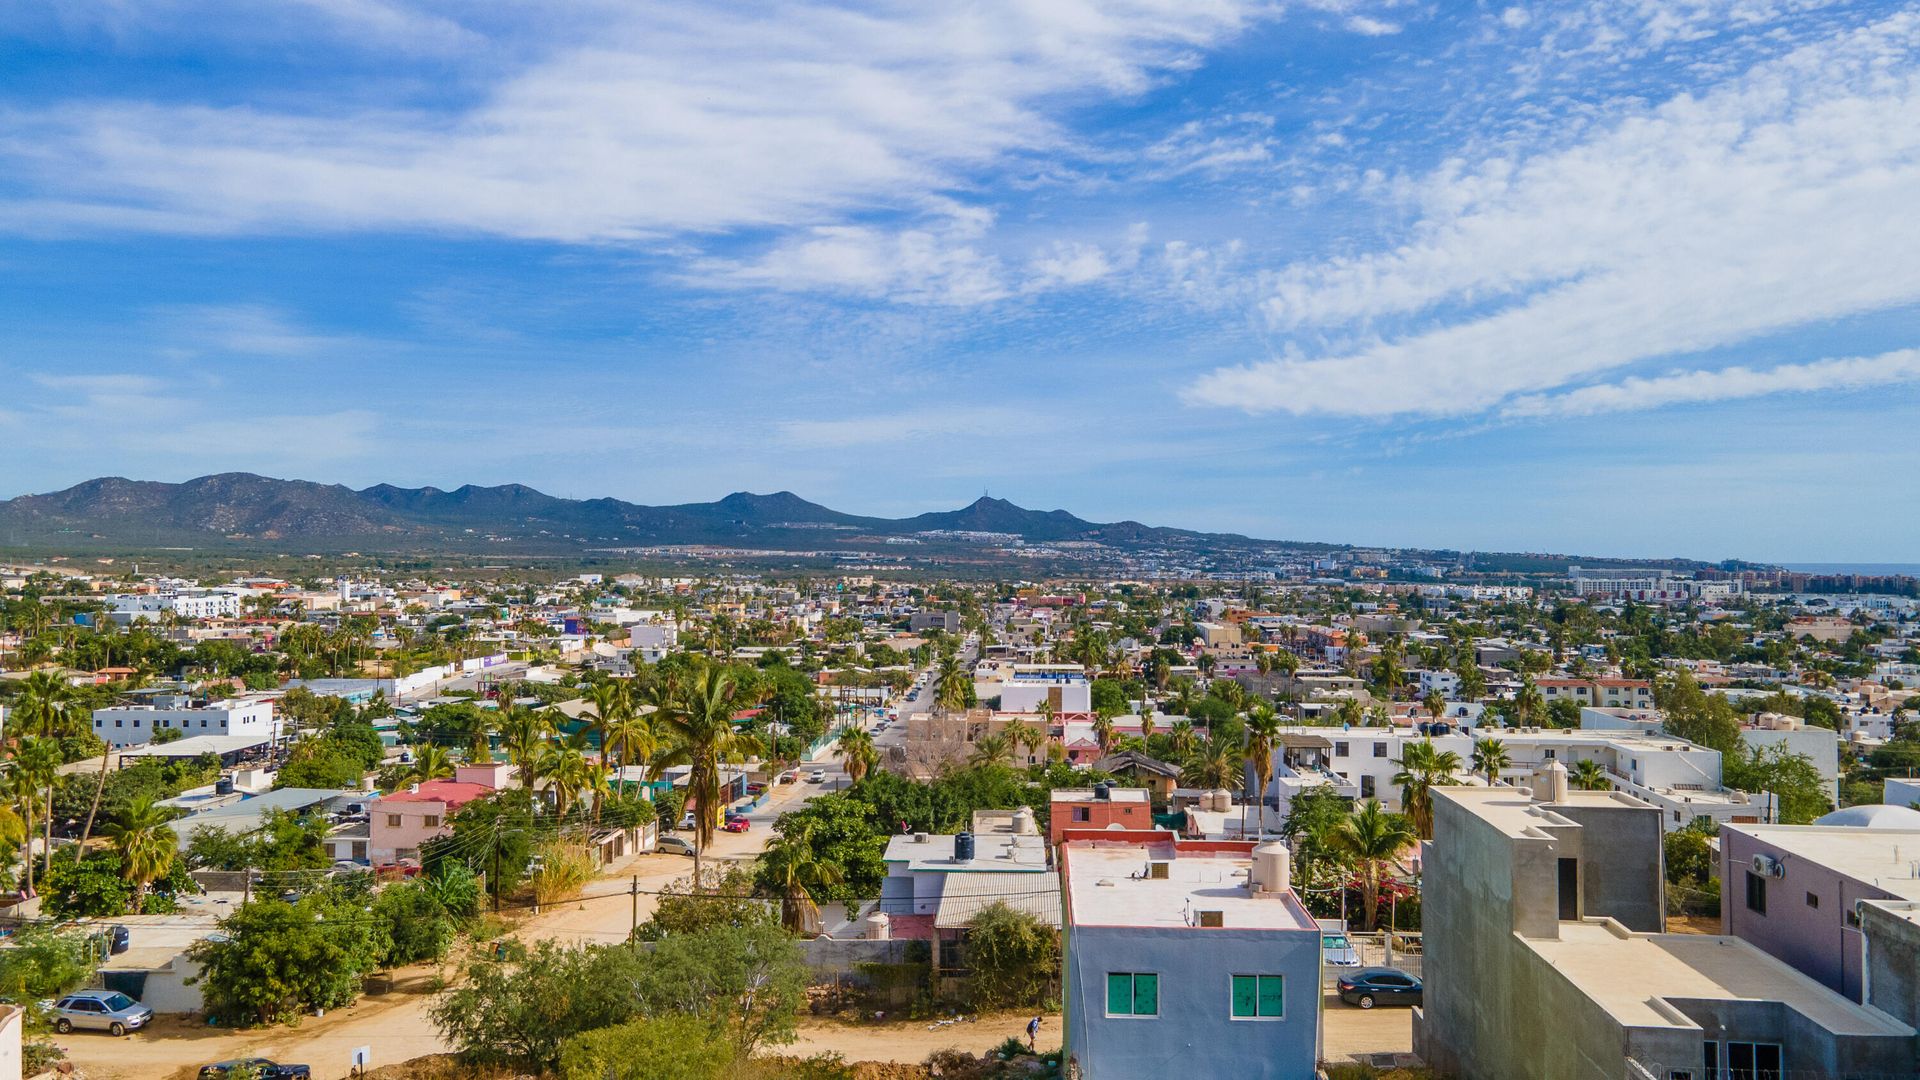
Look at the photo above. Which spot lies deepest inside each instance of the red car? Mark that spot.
(736, 824)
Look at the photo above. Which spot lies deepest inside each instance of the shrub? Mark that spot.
(673, 1047)
(564, 870)
(418, 928)
(1014, 958)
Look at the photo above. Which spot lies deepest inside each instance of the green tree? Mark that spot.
(418, 927)
(44, 962)
(1423, 768)
(273, 959)
(792, 864)
(1490, 757)
(146, 843)
(701, 724)
(1214, 765)
(1371, 840)
(1014, 959)
(516, 1013)
(748, 981)
(671, 1047)
(857, 752)
(1791, 778)
(1590, 775)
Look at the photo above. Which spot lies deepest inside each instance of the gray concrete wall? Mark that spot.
(1810, 1050)
(1195, 1034)
(1893, 964)
(1812, 938)
(1621, 864)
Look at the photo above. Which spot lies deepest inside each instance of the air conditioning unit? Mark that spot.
(1157, 871)
(1768, 866)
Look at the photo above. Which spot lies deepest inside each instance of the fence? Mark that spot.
(1379, 950)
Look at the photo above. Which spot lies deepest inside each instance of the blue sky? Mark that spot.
(1620, 276)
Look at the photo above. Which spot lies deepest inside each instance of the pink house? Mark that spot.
(399, 823)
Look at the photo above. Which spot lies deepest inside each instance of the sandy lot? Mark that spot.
(911, 1041)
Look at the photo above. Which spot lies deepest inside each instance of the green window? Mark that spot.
(1133, 994)
(1258, 997)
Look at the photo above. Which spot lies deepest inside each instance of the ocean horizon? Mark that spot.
(1869, 569)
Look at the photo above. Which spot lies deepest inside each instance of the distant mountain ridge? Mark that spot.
(302, 514)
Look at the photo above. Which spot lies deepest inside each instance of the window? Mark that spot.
(1379, 749)
(1549, 753)
(393, 821)
(1258, 997)
(1339, 749)
(1813, 900)
(1753, 1061)
(1756, 893)
(1083, 813)
(1367, 787)
(1133, 994)
(433, 821)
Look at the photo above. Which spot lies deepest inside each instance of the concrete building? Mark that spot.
(192, 604)
(1098, 807)
(399, 823)
(1545, 957)
(1817, 744)
(1064, 686)
(919, 864)
(136, 725)
(1186, 958)
(922, 621)
(1679, 777)
(1795, 891)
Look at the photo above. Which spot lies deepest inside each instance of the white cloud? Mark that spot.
(1781, 199)
(939, 264)
(676, 118)
(1724, 384)
(1372, 27)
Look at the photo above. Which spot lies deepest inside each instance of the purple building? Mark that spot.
(1797, 891)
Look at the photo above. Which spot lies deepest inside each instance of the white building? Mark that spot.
(1065, 686)
(149, 607)
(135, 725)
(1447, 682)
(1679, 777)
(1817, 744)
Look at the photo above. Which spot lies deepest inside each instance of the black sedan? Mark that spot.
(1379, 986)
(254, 1067)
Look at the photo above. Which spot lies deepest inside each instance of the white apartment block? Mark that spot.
(135, 725)
(149, 607)
(1679, 777)
(1446, 682)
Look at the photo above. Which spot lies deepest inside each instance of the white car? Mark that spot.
(817, 776)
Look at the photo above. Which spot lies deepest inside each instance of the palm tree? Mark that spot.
(1435, 703)
(1528, 702)
(1371, 839)
(1288, 663)
(479, 735)
(523, 733)
(857, 752)
(1352, 713)
(1146, 723)
(796, 869)
(147, 845)
(565, 768)
(44, 704)
(951, 683)
(991, 750)
(1213, 765)
(36, 766)
(1590, 776)
(636, 737)
(609, 703)
(1103, 733)
(1422, 768)
(701, 724)
(1182, 736)
(430, 762)
(1261, 736)
(1489, 757)
(1025, 736)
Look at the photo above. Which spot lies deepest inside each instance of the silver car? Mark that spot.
(102, 1010)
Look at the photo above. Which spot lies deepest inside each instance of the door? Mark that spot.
(1569, 889)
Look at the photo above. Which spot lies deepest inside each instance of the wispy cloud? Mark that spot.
(1723, 384)
(1776, 201)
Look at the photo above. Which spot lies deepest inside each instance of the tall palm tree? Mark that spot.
(1435, 703)
(1103, 733)
(1528, 702)
(1371, 839)
(609, 703)
(1590, 775)
(430, 762)
(1351, 712)
(147, 845)
(1261, 736)
(565, 768)
(857, 752)
(636, 738)
(700, 723)
(44, 705)
(480, 735)
(950, 683)
(1287, 662)
(1489, 757)
(1024, 736)
(36, 766)
(796, 869)
(1423, 768)
(1146, 723)
(1213, 765)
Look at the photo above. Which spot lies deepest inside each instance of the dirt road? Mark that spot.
(910, 1041)
(395, 1024)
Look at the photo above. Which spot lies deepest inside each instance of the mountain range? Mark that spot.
(246, 509)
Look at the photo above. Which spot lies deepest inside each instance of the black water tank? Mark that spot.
(223, 786)
(1101, 791)
(963, 847)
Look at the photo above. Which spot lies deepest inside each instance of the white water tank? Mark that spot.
(878, 927)
(1554, 785)
(1023, 822)
(1219, 800)
(1272, 869)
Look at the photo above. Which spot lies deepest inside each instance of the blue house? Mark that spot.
(1187, 958)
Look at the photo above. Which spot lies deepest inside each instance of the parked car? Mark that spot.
(674, 845)
(261, 1067)
(736, 824)
(100, 1010)
(687, 820)
(1380, 986)
(1335, 947)
(118, 939)
(817, 776)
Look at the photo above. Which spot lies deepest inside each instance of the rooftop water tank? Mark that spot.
(1272, 868)
(963, 847)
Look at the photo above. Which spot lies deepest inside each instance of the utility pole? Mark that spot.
(635, 893)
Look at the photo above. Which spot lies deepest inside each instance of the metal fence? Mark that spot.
(1379, 949)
